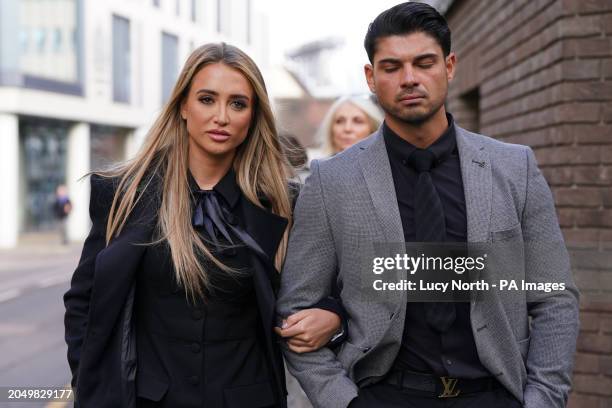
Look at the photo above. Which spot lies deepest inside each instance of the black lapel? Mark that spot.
(117, 263)
(265, 227)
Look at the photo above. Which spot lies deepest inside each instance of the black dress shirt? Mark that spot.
(452, 353)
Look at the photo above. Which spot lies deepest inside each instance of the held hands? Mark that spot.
(309, 329)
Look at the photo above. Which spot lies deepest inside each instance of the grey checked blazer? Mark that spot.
(349, 202)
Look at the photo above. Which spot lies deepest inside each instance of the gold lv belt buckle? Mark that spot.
(449, 387)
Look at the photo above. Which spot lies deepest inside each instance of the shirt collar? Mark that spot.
(227, 187)
(443, 147)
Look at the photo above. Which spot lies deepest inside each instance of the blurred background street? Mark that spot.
(33, 278)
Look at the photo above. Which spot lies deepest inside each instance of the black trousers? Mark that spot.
(389, 396)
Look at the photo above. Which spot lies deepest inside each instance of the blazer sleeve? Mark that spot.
(332, 303)
(555, 315)
(308, 276)
(77, 298)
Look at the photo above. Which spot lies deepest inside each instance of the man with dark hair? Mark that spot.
(421, 178)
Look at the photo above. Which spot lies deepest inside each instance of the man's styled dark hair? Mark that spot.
(408, 18)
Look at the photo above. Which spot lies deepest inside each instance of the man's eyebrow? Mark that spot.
(390, 60)
(425, 56)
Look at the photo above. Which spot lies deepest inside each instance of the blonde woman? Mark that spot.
(172, 303)
(349, 120)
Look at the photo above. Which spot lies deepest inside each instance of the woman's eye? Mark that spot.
(239, 105)
(206, 100)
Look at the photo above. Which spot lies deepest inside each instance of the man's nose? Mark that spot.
(408, 77)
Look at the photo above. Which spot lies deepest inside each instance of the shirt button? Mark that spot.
(196, 314)
(449, 362)
(195, 347)
(194, 380)
(391, 317)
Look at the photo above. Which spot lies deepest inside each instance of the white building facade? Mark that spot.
(80, 83)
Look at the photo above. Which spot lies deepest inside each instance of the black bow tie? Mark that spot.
(216, 219)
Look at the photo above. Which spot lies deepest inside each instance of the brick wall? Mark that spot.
(539, 72)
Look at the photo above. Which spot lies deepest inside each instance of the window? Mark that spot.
(468, 110)
(169, 64)
(121, 60)
(194, 10)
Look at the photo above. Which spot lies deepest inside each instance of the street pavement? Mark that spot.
(33, 279)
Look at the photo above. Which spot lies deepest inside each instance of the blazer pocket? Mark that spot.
(252, 396)
(507, 234)
(149, 386)
(523, 346)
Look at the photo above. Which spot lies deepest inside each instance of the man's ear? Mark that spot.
(451, 63)
(368, 69)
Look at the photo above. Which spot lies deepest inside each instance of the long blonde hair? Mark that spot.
(260, 167)
(324, 133)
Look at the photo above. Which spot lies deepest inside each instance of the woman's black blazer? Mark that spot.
(99, 328)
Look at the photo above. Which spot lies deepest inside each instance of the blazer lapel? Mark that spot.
(478, 187)
(376, 169)
(477, 184)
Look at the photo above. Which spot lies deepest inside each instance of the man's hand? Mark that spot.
(309, 329)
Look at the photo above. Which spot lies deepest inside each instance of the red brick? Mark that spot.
(581, 69)
(593, 175)
(585, 279)
(589, 322)
(606, 239)
(607, 198)
(578, 197)
(567, 217)
(606, 23)
(568, 155)
(583, 401)
(607, 112)
(606, 154)
(606, 68)
(592, 384)
(591, 133)
(587, 47)
(586, 363)
(605, 364)
(577, 112)
(586, 6)
(587, 306)
(594, 261)
(580, 26)
(558, 176)
(583, 238)
(586, 91)
(594, 218)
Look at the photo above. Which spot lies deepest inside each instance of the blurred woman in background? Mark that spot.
(349, 120)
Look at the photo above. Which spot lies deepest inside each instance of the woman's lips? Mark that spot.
(218, 136)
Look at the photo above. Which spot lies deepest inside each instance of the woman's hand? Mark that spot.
(309, 329)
